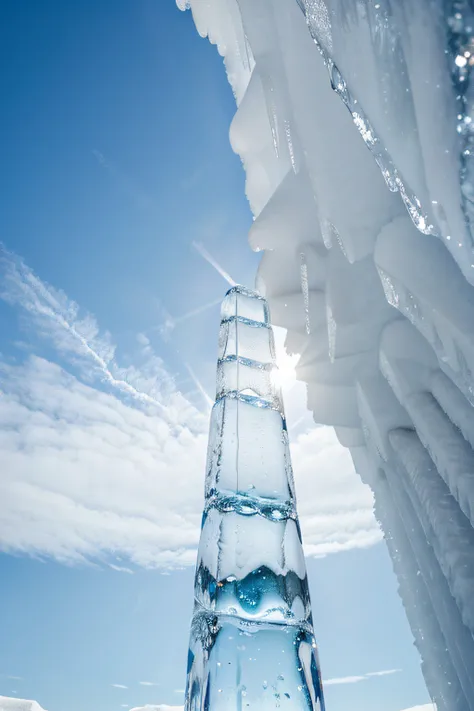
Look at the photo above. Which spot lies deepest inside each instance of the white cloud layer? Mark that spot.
(102, 462)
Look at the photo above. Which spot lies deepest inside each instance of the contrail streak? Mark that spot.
(42, 302)
(171, 322)
(209, 258)
(199, 386)
(197, 311)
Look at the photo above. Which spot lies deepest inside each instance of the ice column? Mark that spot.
(252, 641)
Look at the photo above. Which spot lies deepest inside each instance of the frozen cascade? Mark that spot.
(449, 532)
(252, 641)
(452, 629)
(355, 126)
(437, 663)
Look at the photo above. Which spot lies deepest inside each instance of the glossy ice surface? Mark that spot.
(252, 642)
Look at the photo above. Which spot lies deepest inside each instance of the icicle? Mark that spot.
(305, 290)
(372, 140)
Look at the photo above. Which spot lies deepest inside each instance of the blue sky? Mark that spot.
(115, 146)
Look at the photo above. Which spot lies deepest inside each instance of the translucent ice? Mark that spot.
(252, 641)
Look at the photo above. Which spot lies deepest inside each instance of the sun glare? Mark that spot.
(285, 375)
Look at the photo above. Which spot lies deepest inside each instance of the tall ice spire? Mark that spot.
(252, 642)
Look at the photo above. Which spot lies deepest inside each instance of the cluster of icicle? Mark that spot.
(252, 642)
(355, 125)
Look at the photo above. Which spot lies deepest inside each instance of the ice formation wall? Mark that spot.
(355, 128)
(252, 642)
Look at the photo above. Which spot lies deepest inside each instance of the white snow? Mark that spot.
(11, 704)
(368, 262)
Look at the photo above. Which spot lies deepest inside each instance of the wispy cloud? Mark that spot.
(148, 683)
(87, 463)
(86, 475)
(121, 568)
(108, 437)
(357, 679)
(213, 262)
(58, 317)
(119, 686)
(385, 672)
